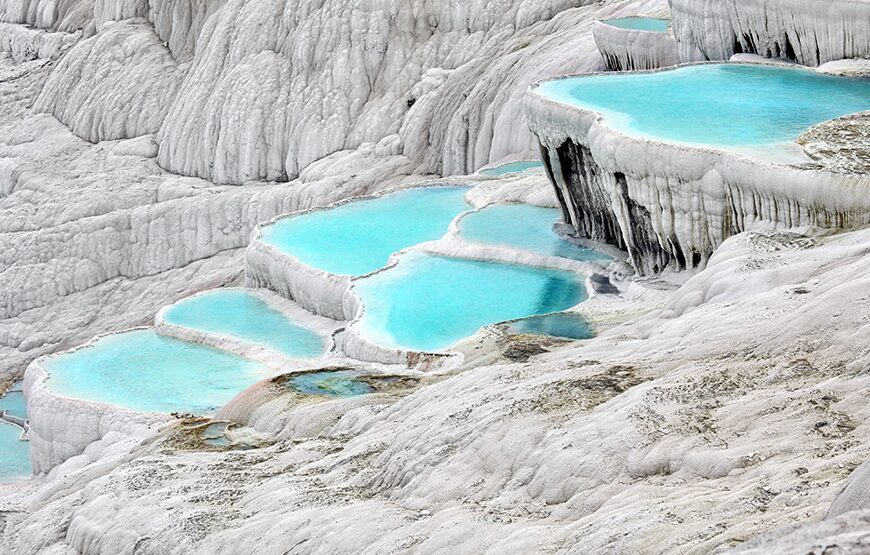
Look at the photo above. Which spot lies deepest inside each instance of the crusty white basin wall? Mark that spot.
(62, 427)
(810, 32)
(633, 49)
(671, 205)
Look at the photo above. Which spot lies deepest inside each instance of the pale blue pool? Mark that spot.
(565, 325)
(14, 454)
(144, 371)
(715, 104)
(512, 167)
(245, 316)
(358, 238)
(342, 383)
(651, 24)
(522, 226)
(13, 402)
(428, 303)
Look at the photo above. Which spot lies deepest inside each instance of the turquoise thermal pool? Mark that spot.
(512, 167)
(651, 24)
(726, 105)
(522, 226)
(565, 325)
(13, 402)
(245, 316)
(359, 237)
(146, 372)
(428, 303)
(14, 454)
(342, 383)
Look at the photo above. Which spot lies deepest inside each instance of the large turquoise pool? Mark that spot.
(358, 238)
(715, 104)
(428, 303)
(652, 24)
(240, 314)
(14, 454)
(144, 371)
(512, 167)
(522, 226)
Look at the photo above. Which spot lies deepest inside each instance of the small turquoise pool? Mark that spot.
(358, 238)
(14, 454)
(245, 316)
(144, 371)
(522, 226)
(564, 325)
(512, 167)
(342, 383)
(715, 104)
(651, 24)
(428, 303)
(13, 402)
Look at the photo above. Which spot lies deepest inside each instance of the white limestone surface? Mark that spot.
(118, 84)
(635, 49)
(811, 32)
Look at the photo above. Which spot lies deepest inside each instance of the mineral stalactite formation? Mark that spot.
(810, 32)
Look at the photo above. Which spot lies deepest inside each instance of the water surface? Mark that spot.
(512, 167)
(358, 238)
(342, 383)
(14, 454)
(652, 24)
(245, 316)
(522, 226)
(147, 372)
(13, 402)
(428, 303)
(564, 325)
(728, 105)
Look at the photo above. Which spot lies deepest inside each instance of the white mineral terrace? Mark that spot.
(691, 197)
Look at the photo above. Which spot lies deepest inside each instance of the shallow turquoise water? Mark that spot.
(569, 326)
(14, 454)
(358, 238)
(243, 315)
(512, 167)
(716, 104)
(525, 227)
(429, 303)
(640, 24)
(146, 372)
(13, 402)
(342, 383)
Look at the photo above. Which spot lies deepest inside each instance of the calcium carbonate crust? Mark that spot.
(635, 49)
(670, 205)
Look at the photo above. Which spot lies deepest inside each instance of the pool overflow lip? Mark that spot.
(265, 354)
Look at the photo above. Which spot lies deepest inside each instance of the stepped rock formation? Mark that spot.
(721, 408)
